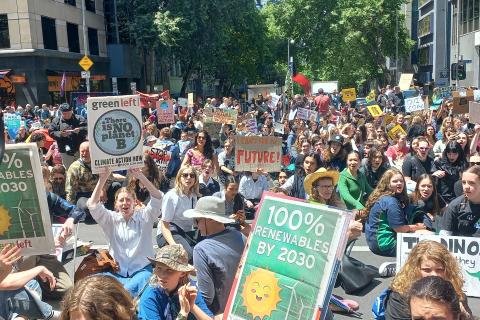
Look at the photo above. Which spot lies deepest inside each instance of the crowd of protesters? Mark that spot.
(424, 178)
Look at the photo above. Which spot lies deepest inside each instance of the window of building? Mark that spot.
(4, 35)
(425, 26)
(424, 56)
(93, 41)
(469, 16)
(73, 38)
(49, 33)
(90, 5)
(71, 2)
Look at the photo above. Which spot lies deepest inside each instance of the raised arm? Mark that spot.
(97, 192)
(154, 192)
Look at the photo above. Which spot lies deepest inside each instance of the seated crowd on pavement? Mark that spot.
(424, 179)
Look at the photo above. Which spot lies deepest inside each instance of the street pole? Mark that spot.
(290, 61)
(396, 49)
(458, 44)
(85, 43)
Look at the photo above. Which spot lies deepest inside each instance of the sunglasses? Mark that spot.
(475, 163)
(191, 175)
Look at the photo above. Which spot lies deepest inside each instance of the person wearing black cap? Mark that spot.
(69, 130)
(335, 156)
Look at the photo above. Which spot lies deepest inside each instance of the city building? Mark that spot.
(43, 40)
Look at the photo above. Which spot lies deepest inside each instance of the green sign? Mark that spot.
(290, 261)
(24, 216)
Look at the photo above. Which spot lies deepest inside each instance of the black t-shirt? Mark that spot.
(413, 167)
(397, 307)
(461, 217)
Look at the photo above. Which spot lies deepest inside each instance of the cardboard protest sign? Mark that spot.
(12, 123)
(213, 128)
(465, 249)
(312, 116)
(227, 116)
(182, 102)
(303, 113)
(460, 101)
(474, 112)
(414, 104)
(375, 110)
(349, 94)
(392, 134)
(247, 123)
(405, 81)
(24, 214)
(290, 261)
(191, 103)
(165, 112)
(115, 132)
(255, 152)
(160, 155)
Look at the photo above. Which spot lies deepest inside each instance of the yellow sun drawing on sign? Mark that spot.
(4, 221)
(261, 293)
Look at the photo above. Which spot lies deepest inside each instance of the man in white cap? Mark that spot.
(215, 258)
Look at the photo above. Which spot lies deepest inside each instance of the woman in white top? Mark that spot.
(173, 226)
(129, 231)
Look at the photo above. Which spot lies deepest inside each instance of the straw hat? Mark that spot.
(320, 173)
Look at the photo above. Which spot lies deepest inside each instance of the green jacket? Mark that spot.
(353, 190)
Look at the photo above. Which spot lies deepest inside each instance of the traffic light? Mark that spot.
(453, 71)
(461, 72)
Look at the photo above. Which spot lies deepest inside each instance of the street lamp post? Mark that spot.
(290, 60)
(85, 43)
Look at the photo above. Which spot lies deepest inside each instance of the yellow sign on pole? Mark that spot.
(392, 134)
(375, 111)
(349, 94)
(85, 63)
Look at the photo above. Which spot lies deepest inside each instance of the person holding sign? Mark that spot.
(129, 232)
(427, 258)
(389, 213)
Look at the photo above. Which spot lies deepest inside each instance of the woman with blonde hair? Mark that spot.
(173, 227)
(428, 258)
(98, 297)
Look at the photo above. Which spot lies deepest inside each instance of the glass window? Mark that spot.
(93, 41)
(71, 2)
(49, 31)
(424, 56)
(73, 38)
(424, 26)
(476, 4)
(4, 35)
(90, 5)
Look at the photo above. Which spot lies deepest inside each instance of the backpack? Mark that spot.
(379, 304)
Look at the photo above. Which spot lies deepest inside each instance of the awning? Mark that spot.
(3, 73)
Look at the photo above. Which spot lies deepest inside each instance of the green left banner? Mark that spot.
(24, 216)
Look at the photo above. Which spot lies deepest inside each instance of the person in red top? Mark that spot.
(322, 101)
(399, 150)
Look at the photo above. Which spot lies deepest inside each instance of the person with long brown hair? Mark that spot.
(98, 297)
(389, 214)
(150, 170)
(428, 258)
(425, 197)
(202, 150)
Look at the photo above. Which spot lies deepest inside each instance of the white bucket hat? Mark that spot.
(209, 208)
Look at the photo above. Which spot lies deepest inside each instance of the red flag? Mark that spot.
(303, 81)
(165, 94)
(145, 97)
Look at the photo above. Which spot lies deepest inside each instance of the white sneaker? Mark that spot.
(55, 315)
(387, 269)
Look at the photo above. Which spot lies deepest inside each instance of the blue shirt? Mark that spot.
(155, 304)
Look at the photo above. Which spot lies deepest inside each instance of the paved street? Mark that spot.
(360, 251)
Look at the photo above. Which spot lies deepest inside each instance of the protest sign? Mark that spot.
(474, 112)
(115, 132)
(312, 116)
(160, 155)
(414, 104)
(226, 116)
(375, 111)
(24, 214)
(441, 93)
(465, 249)
(279, 127)
(303, 113)
(460, 101)
(290, 261)
(213, 128)
(255, 152)
(405, 81)
(349, 94)
(165, 112)
(182, 102)
(275, 99)
(392, 134)
(247, 123)
(12, 123)
(191, 103)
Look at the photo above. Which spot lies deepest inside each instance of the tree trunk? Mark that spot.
(185, 77)
(151, 78)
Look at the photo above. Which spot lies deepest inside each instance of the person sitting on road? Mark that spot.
(129, 232)
(427, 258)
(207, 184)
(252, 185)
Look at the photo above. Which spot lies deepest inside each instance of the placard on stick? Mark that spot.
(115, 132)
(226, 116)
(349, 94)
(165, 112)
(460, 101)
(24, 215)
(255, 152)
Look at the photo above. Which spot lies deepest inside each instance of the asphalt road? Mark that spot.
(360, 251)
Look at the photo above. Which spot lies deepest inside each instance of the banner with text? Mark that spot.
(226, 116)
(24, 215)
(290, 262)
(115, 132)
(465, 249)
(12, 124)
(165, 112)
(160, 155)
(254, 152)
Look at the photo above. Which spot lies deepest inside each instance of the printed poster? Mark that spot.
(465, 249)
(375, 111)
(392, 134)
(290, 261)
(165, 112)
(12, 124)
(414, 104)
(255, 152)
(303, 113)
(349, 94)
(115, 132)
(182, 102)
(24, 216)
